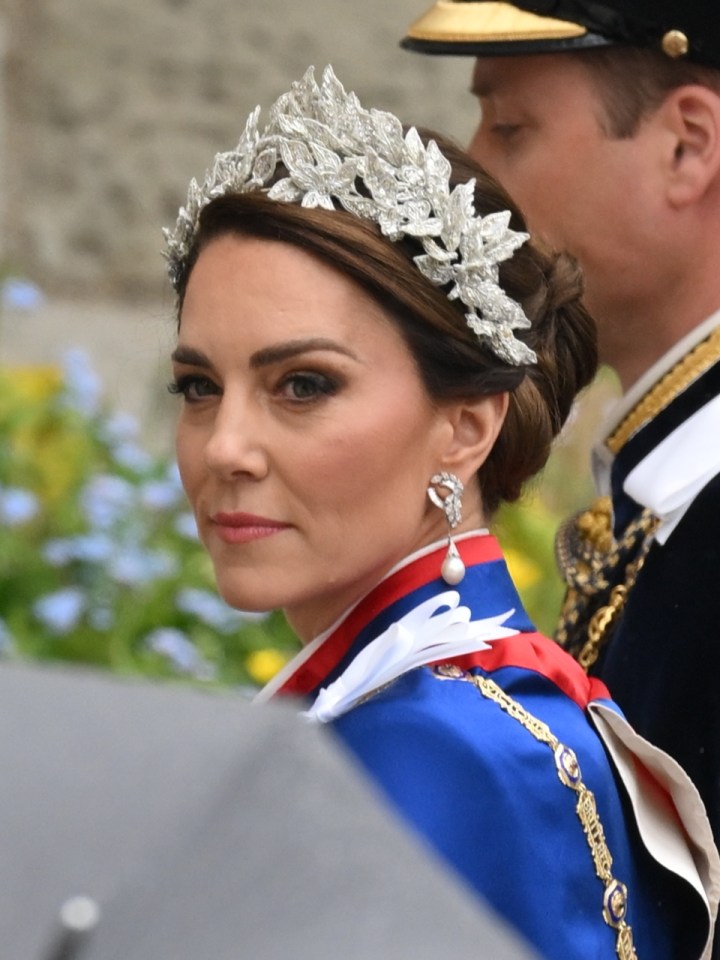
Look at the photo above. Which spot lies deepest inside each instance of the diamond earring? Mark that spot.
(453, 569)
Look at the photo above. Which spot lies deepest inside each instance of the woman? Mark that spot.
(371, 360)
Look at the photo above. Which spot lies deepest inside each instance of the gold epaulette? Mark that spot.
(591, 560)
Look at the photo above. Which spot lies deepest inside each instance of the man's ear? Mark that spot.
(475, 428)
(692, 114)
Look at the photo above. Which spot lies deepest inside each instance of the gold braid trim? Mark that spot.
(685, 371)
(603, 619)
(614, 902)
(588, 557)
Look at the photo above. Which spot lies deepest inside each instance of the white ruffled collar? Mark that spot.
(422, 636)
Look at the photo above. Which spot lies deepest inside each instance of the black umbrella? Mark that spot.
(145, 822)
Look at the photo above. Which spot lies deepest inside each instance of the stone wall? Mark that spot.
(109, 106)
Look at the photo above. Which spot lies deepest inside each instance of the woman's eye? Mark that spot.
(305, 387)
(193, 387)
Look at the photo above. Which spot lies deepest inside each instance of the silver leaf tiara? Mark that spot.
(330, 146)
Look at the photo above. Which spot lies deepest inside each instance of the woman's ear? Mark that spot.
(692, 114)
(475, 428)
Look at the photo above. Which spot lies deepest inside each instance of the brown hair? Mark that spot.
(634, 81)
(451, 362)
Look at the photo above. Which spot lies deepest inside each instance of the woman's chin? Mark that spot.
(249, 607)
(249, 601)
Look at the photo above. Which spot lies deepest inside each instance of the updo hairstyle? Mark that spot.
(451, 361)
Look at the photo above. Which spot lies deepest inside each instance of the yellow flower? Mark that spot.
(524, 571)
(262, 665)
(30, 384)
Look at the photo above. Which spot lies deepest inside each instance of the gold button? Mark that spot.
(675, 44)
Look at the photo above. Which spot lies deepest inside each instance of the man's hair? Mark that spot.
(634, 81)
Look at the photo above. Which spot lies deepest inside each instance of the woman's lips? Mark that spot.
(245, 527)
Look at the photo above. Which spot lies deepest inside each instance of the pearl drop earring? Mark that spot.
(452, 569)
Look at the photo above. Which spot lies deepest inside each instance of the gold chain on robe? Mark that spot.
(615, 894)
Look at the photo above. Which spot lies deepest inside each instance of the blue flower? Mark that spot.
(58, 552)
(160, 495)
(132, 457)
(93, 547)
(176, 647)
(118, 428)
(60, 611)
(19, 294)
(83, 388)
(17, 506)
(209, 608)
(106, 499)
(120, 431)
(88, 548)
(173, 475)
(134, 566)
(185, 525)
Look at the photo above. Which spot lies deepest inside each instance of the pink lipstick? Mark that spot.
(245, 527)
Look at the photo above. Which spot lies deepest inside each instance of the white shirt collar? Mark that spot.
(669, 478)
(601, 457)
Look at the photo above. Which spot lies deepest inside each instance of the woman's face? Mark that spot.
(306, 438)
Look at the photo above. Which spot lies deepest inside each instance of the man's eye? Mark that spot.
(505, 130)
(193, 387)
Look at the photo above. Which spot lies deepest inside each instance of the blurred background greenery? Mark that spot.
(99, 557)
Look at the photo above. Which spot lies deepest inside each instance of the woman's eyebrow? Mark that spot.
(190, 356)
(292, 348)
(268, 355)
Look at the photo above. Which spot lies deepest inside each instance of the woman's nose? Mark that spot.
(234, 447)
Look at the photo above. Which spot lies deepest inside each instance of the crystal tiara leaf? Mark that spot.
(336, 153)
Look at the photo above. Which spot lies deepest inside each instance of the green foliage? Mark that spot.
(99, 557)
(526, 531)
